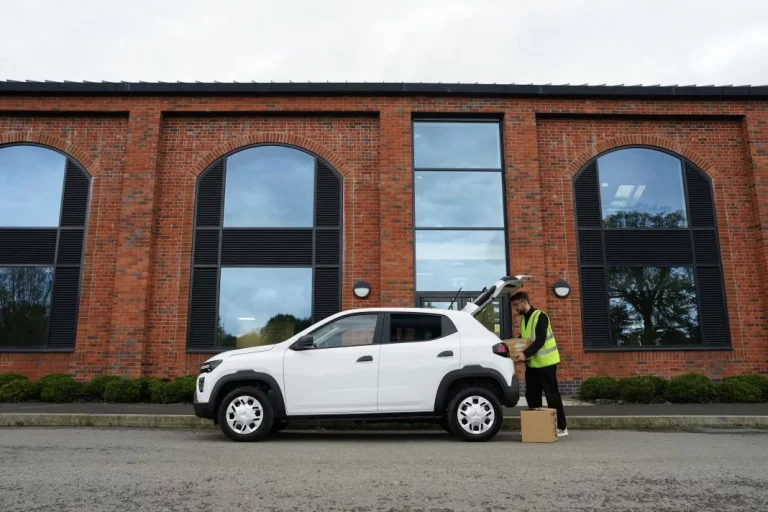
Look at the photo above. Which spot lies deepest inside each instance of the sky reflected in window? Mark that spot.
(31, 185)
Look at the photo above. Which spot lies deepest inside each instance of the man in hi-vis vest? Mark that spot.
(541, 359)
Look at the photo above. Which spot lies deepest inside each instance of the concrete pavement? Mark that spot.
(179, 470)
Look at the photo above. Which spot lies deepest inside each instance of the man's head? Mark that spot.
(521, 302)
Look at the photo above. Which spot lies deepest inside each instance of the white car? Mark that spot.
(378, 363)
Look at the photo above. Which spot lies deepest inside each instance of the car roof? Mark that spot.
(447, 312)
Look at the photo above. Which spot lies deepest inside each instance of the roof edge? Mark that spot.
(384, 88)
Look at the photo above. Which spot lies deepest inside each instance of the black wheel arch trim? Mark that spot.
(510, 392)
(275, 394)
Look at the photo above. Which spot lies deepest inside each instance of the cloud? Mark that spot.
(523, 41)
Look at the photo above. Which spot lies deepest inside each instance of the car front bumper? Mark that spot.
(203, 409)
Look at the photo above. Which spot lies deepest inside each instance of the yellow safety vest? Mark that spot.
(548, 354)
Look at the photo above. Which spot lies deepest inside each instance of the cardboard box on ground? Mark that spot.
(538, 426)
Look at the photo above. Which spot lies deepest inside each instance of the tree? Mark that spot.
(25, 305)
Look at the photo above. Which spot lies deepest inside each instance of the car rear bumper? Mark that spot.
(512, 393)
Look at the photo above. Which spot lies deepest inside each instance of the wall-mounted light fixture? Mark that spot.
(362, 289)
(561, 288)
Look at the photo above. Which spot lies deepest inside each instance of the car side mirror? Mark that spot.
(304, 343)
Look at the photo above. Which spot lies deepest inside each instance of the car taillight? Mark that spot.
(501, 349)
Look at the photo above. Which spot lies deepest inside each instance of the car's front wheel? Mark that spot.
(246, 414)
(475, 414)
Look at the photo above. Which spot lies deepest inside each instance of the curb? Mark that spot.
(168, 421)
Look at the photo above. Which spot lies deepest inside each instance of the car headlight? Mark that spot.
(209, 366)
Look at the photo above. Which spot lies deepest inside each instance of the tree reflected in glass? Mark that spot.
(25, 305)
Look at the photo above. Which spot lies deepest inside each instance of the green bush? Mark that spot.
(637, 390)
(761, 381)
(20, 390)
(59, 388)
(691, 388)
(7, 378)
(179, 391)
(122, 391)
(94, 389)
(145, 384)
(660, 384)
(600, 388)
(739, 391)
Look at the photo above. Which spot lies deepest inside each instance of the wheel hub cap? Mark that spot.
(245, 414)
(476, 415)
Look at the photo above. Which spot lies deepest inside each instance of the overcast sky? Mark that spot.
(523, 41)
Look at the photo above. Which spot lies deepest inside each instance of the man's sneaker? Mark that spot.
(562, 433)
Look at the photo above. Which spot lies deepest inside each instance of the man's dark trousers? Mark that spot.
(544, 379)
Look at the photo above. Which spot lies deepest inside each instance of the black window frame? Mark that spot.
(74, 215)
(684, 249)
(324, 274)
(465, 295)
(447, 327)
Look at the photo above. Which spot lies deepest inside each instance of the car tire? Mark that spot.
(475, 414)
(245, 414)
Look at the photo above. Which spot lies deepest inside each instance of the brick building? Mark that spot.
(145, 226)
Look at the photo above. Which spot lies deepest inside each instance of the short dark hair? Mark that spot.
(520, 296)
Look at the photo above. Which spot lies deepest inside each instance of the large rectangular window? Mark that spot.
(459, 213)
(25, 305)
(263, 306)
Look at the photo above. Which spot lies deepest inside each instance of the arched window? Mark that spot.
(267, 250)
(649, 256)
(43, 210)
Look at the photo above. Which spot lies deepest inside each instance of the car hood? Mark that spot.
(242, 352)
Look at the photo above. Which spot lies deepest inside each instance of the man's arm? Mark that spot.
(541, 336)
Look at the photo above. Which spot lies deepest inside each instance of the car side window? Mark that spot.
(350, 331)
(413, 327)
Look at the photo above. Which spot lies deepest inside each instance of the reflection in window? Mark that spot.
(641, 188)
(490, 317)
(269, 186)
(31, 185)
(653, 306)
(263, 306)
(407, 327)
(457, 145)
(350, 331)
(25, 305)
(449, 260)
(459, 199)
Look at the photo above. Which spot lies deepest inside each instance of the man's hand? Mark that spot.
(520, 357)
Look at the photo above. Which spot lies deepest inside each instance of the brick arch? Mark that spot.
(638, 140)
(269, 138)
(62, 145)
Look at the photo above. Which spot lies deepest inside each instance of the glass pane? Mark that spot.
(449, 260)
(439, 304)
(459, 200)
(405, 328)
(263, 306)
(456, 145)
(269, 186)
(653, 306)
(490, 317)
(641, 188)
(31, 185)
(349, 331)
(25, 305)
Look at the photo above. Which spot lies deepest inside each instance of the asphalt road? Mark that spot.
(154, 470)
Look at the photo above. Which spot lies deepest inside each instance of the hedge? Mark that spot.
(691, 388)
(739, 391)
(600, 388)
(20, 390)
(637, 390)
(761, 381)
(7, 378)
(94, 390)
(122, 391)
(59, 389)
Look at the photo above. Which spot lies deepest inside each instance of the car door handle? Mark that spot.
(447, 353)
(365, 359)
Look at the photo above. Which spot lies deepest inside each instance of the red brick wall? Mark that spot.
(145, 152)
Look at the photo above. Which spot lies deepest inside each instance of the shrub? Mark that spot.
(600, 388)
(94, 390)
(19, 390)
(692, 388)
(761, 381)
(145, 384)
(7, 378)
(59, 388)
(637, 390)
(660, 384)
(739, 391)
(122, 391)
(179, 391)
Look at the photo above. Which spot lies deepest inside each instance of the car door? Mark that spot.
(417, 350)
(339, 374)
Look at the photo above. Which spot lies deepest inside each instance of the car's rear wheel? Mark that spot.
(475, 414)
(245, 414)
